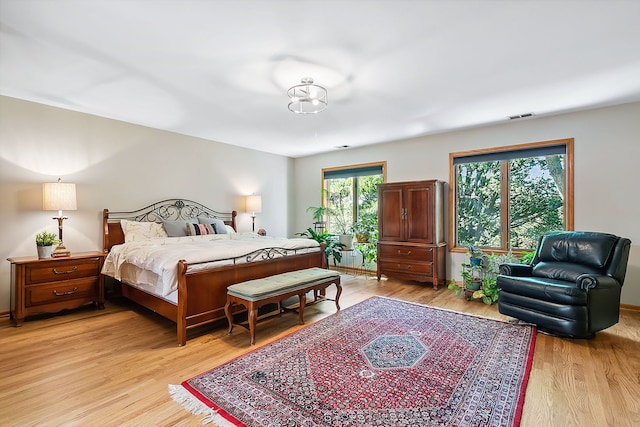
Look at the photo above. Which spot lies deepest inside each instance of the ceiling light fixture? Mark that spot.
(307, 97)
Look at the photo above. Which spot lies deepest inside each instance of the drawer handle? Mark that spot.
(403, 253)
(61, 294)
(74, 269)
(406, 267)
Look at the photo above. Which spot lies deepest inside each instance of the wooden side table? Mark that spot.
(53, 284)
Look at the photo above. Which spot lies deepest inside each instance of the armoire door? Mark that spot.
(391, 212)
(419, 205)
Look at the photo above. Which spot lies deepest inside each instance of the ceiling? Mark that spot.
(394, 69)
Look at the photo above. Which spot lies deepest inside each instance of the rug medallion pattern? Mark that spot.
(382, 362)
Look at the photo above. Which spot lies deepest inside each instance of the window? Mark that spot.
(351, 195)
(506, 198)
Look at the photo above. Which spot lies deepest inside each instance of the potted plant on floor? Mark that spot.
(332, 248)
(44, 244)
(479, 281)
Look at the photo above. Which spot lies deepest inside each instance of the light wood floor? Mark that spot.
(111, 367)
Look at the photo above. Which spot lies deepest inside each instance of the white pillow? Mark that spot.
(145, 230)
(230, 229)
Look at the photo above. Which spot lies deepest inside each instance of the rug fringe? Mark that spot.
(196, 407)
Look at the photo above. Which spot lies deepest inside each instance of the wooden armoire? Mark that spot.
(411, 242)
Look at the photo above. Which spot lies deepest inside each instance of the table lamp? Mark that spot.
(254, 205)
(59, 196)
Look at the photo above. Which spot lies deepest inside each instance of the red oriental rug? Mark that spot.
(382, 362)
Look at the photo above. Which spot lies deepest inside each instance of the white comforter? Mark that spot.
(160, 256)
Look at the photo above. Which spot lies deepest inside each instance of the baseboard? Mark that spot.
(4, 313)
(630, 307)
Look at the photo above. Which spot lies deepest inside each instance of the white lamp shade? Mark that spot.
(59, 196)
(254, 204)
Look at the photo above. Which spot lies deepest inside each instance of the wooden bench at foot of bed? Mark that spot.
(253, 294)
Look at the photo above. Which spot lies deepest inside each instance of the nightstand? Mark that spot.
(53, 284)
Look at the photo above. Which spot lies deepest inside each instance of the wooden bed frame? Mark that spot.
(201, 294)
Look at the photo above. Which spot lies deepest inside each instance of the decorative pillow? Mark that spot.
(199, 229)
(230, 229)
(218, 224)
(177, 228)
(137, 230)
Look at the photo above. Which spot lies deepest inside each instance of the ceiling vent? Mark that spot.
(521, 116)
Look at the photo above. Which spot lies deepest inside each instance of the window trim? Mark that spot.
(569, 190)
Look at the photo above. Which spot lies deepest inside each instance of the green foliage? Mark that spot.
(457, 289)
(317, 212)
(488, 292)
(46, 239)
(332, 248)
(474, 252)
(369, 252)
(340, 205)
(366, 229)
(351, 200)
(488, 272)
(527, 257)
(536, 201)
(469, 272)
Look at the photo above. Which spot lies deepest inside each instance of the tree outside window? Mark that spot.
(506, 198)
(351, 195)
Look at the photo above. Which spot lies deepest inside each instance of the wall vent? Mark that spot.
(521, 116)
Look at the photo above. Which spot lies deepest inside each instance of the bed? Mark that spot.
(199, 293)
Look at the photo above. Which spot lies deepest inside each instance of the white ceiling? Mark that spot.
(394, 69)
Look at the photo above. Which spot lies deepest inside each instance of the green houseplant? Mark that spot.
(483, 277)
(317, 212)
(364, 228)
(475, 255)
(44, 243)
(332, 248)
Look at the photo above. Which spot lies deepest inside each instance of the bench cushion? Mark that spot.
(267, 286)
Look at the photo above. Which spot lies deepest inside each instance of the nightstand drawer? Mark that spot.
(62, 270)
(406, 252)
(62, 291)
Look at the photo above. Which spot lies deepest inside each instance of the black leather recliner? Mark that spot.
(572, 287)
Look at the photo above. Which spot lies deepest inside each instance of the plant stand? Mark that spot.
(472, 279)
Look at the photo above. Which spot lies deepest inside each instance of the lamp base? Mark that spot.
(60, 251)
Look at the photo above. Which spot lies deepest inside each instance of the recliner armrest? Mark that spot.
(516, 269)
(593, 281)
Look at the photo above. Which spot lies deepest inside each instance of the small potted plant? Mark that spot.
(317, 212)
(475, 255)
(364, 228)
(44, 244)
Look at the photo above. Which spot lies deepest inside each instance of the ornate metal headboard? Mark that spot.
(170, 209)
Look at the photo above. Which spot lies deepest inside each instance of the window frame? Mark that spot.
(382, 164)
(504, 194)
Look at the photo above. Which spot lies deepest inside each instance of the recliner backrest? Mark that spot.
(567, 254)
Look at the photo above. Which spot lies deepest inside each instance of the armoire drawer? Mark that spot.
(407, 267)
(411, 253)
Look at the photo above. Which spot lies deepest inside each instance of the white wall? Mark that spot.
(120, 166)
(607, 152)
